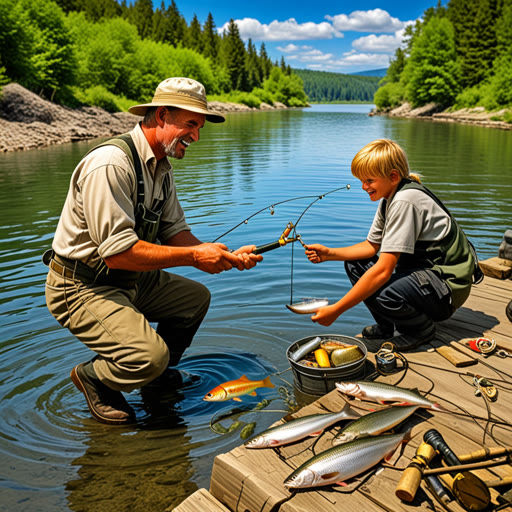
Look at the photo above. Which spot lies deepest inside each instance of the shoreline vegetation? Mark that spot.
(28, 121)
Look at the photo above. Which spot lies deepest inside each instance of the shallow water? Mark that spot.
(53, 457)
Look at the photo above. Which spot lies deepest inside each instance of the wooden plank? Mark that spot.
(496, 267)
(200, 501)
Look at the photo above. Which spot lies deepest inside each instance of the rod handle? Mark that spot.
(267, 247)
(412, 475)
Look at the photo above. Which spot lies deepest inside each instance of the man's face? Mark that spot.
(181, 128)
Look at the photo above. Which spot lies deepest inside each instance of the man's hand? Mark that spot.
(317, 253)
(246, 259)
(214, 258)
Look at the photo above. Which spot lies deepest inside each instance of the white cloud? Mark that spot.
(288, 30)
(376, 20)
(383, 43)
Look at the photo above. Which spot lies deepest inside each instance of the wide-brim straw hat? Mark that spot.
(183, 93)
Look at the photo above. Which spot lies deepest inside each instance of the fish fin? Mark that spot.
(314, 434)
(253, 393)
(267, 383)
(329, 476)
(236, 399)
(342, 484)
(244, 377)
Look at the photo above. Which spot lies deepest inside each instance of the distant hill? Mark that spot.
(326, 87)
(372, 72)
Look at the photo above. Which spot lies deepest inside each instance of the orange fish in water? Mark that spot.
(235, 388)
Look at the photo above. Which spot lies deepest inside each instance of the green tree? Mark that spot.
(160, 23)
(287, 89)
(194, 39)
(475, 38)
(36, 48)
(431, 69)
(233, 57)
(141, 15)
(176, 27)
(265, 61)
(252, 64)
(210, 40)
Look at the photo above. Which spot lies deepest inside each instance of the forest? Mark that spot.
(458, 55)
(325, 87)
(110, 54)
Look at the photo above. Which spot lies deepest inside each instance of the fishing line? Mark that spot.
(272, 206)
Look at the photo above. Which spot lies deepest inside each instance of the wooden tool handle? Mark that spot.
(411, 477)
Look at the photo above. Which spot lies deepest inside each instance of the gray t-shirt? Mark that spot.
(98, 217)
(411, 216)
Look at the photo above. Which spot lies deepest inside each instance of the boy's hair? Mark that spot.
(379, 158)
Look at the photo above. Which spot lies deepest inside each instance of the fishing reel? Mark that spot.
(283, 240)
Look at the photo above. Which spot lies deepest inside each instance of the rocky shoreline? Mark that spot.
(29, 122)
(433, 112)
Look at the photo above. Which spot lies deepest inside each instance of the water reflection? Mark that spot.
(53, 456)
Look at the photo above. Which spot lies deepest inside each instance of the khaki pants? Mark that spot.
(114, 323)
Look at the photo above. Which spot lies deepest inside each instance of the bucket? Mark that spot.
(319, 381)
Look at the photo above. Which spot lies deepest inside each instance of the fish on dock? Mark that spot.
(300, 428)
(233, 389)
(307, 306)
(385, 394)
(374, 423)
(339, 463)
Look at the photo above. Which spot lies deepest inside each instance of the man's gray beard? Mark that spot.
(170, 149)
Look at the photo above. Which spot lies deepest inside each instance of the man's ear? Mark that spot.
(160, 115)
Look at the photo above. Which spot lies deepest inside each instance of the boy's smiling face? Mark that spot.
(377, 187)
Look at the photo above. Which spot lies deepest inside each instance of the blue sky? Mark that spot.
(339, 36)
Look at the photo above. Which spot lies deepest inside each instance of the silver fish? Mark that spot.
(385, 394)
(340, 463)
(374, 423)
(307, 306)
(308, 347)
(299, 428)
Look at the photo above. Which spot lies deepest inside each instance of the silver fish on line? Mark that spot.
(307, 306)
(339, 463)
(299, 428)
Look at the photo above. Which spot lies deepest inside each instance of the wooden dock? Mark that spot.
(246, 480)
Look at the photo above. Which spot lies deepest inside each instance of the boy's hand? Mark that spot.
(326, 316)
(317, 253)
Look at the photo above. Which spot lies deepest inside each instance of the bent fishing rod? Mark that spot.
(283, 239)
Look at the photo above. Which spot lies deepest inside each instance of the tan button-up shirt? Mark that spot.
(98, 217)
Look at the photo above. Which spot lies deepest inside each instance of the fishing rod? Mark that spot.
(283, 239)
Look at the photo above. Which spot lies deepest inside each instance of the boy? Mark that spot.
(416, 266)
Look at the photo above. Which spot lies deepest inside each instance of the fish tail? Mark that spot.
(267, 383)
(350, 412)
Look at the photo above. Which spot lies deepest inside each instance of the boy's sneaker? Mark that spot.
(377, 332)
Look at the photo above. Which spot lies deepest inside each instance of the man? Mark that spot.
(121, 225)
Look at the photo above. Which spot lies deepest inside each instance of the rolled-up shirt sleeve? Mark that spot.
(107, 192)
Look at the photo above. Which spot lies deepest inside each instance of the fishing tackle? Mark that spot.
(283, 240)
(386, 358)
(484, 346)
(485, 387)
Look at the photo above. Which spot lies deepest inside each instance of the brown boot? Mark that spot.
(105, 404)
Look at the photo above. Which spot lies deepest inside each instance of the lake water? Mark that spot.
(53, 456)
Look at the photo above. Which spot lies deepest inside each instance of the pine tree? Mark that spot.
(233, 57)
(141, 16)
(475, 37)
(210, 39)
(265, 62)
(160, 24)
(252, 64)
(194, 39)
(176, 26)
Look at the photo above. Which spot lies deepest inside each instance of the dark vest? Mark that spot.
(452, 258)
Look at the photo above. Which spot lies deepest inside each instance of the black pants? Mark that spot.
(411, 301)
